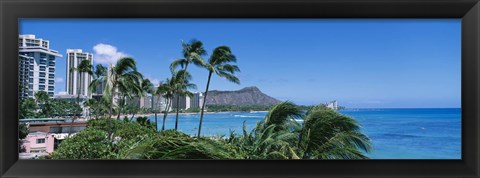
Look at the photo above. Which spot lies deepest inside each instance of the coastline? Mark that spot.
(185, 113)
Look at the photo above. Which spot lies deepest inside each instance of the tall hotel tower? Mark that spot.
(36, 66)
(77, 82)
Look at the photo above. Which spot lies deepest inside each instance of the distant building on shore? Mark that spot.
(182, 102)
(77, 83)
(36, 66)
(332, 105)
(197, 100)
(187, 102)
(152, 102)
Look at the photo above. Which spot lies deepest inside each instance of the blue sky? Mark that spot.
(389, 63)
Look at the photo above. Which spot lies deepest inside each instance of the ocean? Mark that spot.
(395, 133)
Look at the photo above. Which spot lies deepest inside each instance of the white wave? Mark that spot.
(248, 116)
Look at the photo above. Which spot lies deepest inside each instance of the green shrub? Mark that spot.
(87, 144)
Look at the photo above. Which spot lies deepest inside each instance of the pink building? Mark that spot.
(38, 142)
(45, 136)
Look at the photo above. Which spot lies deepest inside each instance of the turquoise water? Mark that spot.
(395, 133)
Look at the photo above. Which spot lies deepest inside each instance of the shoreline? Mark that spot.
(185, 113)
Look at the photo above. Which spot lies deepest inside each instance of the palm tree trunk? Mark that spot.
(203, 104)
(178, 107)
(111, 102)
(178, 96)
(185, 74)
(156, 121)
(74, 117)
(121, 108)
(166, 113)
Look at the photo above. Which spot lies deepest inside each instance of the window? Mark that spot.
(41, 140)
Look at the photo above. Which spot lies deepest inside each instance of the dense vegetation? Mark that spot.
(44, 107)
(324, 134)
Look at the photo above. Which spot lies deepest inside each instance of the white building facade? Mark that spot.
(77, 83)
(197, 100)
(36, 66)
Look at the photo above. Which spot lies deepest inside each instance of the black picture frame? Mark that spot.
(12, 10)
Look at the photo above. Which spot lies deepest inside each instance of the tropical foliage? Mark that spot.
(95, 143)
(47, 108)
(181, 85)
(123, 80)
(323, 134)
(219, 64)
(288, 131)
(167, 91)
(192, 53)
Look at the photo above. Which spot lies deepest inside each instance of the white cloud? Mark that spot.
(106, 54)
(153, 80)
(59, 80)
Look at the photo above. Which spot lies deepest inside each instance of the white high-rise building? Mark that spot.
(197, 100)
(78, 82)
(36, 66)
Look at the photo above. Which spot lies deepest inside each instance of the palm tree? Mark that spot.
(324, 134)
(121, 76)
(192, 53)
(327, 134)
(156, 93)
(181, 84)
(167, 91)
(92, 104)
(218, 63)
(128, 89)
(99, 77)
(146, 88)
(41, 97)
(85, 66)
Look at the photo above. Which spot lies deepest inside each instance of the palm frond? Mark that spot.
(124, 65)
(178, 63)
(282, 112)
